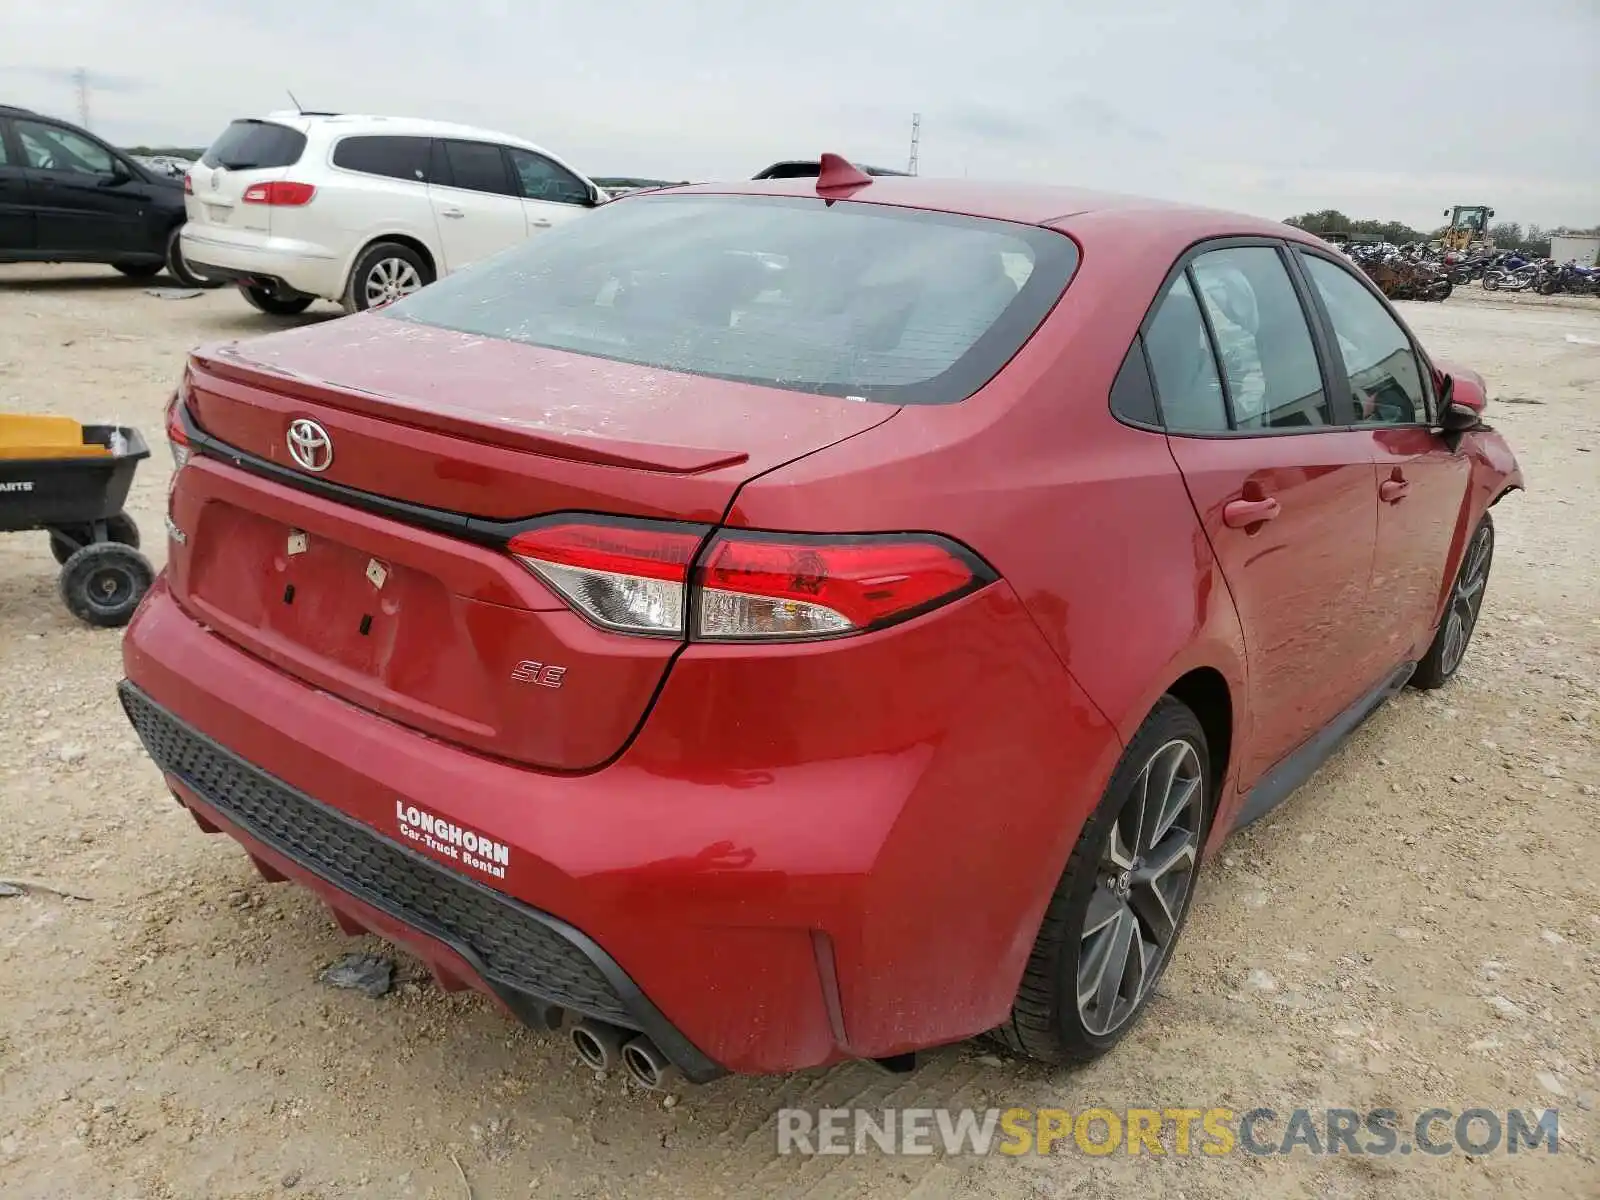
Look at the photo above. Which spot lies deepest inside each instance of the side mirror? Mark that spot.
(1458, 418)
(119, 175)
(1455, 416)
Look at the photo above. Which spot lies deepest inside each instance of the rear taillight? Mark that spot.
(188, 184)
(760, 587)
(630, 577)
(280, 192)
(640, 577)
(177, 439)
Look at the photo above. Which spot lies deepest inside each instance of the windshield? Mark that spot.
(843, 299)
(254, 145)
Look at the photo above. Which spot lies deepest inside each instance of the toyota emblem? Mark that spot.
(309, 445)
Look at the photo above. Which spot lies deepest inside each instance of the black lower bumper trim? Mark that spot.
(532, 960)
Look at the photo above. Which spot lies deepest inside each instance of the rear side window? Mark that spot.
(391, 157)
(478, 167)
(846, 299)
(255, 145)
(1180, 360)
(1268, 361)
(1132, 397)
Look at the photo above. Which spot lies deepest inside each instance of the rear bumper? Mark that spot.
(756, 896)
(535, 965)
(303, 267)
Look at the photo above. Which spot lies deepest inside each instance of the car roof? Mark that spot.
(338, 123)
(1025, 203)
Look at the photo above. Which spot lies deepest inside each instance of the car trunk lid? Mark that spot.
(399, 595)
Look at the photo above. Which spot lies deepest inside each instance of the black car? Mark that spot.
(66, 196)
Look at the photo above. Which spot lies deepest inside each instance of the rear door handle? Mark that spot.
(1237, 514)
(453, 213)
(1392, 491)
(541, 224)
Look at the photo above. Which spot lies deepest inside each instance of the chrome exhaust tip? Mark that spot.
(648, 1067)
(599, 1045)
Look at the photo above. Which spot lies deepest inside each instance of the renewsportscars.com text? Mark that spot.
(1209, 1132)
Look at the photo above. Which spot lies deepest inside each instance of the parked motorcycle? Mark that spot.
(1509, 278)
(1463, 268)
(1570, 277)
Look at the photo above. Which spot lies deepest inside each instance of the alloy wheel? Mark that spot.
(1466, 600)
(389, 279)
(1142, 883)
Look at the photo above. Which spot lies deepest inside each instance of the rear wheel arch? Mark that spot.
(1205, 692)
(427, 264)
(399, 239)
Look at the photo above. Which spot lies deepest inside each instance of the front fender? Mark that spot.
(1495, 470)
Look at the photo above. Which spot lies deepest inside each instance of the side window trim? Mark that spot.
(439, 172)
(1216, 352)
(1150, 374)
(1424, 365)
(510, 168)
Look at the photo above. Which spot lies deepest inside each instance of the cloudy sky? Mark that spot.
(1383, 108)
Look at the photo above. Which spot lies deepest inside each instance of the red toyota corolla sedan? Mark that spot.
(770, 623)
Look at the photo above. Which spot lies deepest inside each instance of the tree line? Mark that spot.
(1507, 235)
(163, 152)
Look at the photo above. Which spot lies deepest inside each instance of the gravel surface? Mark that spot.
(1420, 926)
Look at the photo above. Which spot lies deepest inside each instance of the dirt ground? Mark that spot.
(1420, 926)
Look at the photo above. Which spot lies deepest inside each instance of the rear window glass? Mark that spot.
(391, 157)
(846, 299)
(253, 145)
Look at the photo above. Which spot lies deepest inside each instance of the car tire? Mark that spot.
(139, 270)
(120, 528)
(179, 269)
(1101, 903)
(383, 273)
(273, 304)
(1444, 657)
(102, 584)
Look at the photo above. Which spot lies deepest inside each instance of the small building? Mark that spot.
(1582, 248)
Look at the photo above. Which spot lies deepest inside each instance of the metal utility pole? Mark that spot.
(916, 138)
(80, 77)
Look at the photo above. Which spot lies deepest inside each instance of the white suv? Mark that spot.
(361, 210)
